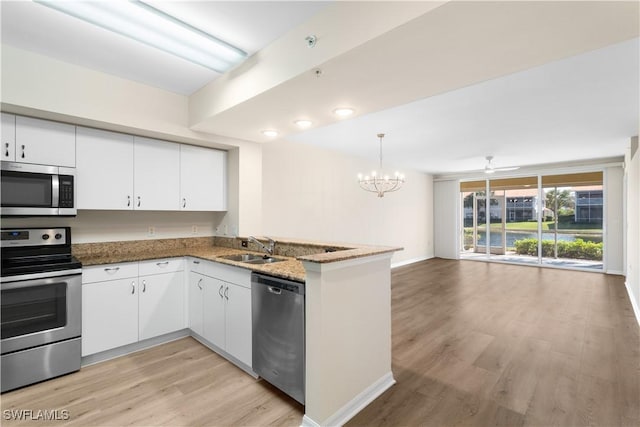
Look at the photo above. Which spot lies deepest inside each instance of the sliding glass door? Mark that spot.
(548, 219)
(573, 224)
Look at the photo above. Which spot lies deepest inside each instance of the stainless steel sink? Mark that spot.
(242, 257)
(253, 258)
(262, 260)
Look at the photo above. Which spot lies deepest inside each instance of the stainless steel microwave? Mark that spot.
(37, 190)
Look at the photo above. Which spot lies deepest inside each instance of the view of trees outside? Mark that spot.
(570, 220)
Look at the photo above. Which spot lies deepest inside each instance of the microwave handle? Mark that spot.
(55, 191)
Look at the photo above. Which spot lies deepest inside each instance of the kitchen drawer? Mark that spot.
(229, 274)
(159, 266)
(102, 273)
(197, 265)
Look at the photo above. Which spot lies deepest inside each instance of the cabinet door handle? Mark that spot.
(220, 291)
(23, 151)
(226, 292)
(110, 269)
(184, 203)
(159, 264)
(200, 281)
(128, 201)
(6, 153)
(144, 286)
(133, 288)
(138, 201)
(196, 262)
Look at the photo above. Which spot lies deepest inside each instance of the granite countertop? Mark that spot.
(294, 252)
(290, 269)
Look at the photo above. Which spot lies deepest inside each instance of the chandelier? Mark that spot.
(378, 182)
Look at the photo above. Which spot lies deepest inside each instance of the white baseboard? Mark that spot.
(634, 304)
(133, 348)
(410, 261)
(356, 404)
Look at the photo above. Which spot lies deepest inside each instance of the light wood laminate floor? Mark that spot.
(474, 343)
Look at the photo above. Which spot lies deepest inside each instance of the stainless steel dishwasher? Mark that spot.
(278, 333)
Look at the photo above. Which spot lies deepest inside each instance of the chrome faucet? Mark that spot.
(268, 249)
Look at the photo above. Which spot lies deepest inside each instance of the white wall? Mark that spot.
(614, 227)
(309, 192)
(446, 214)
(632, 171)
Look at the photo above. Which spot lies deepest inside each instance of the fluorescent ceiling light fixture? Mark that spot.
(153, 27)
(303, 123)
(270, 133)
(343, 111)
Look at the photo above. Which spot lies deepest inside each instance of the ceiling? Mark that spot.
(249, 25)
(527, 82)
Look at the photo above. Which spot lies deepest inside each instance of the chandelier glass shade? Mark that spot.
(378, 182)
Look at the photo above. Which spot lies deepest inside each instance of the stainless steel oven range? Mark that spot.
(41, 306)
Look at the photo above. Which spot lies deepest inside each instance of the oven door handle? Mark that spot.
(11, 282)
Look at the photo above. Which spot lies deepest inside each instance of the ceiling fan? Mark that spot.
(490, 169)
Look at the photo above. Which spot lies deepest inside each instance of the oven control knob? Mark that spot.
(45, 237)
(58, 236)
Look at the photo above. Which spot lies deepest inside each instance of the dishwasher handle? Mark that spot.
(273, 290)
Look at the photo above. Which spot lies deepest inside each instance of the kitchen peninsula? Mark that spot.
(348, 310)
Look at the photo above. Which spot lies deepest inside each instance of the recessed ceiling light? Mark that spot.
(343, 111)
(270, 133)
(303, 123)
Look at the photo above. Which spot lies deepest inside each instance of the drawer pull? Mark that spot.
(159, 264)
(112, 269)
(196, 262)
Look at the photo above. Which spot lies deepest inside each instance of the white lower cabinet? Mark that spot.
(220, 310)
(123, 303)
(109, 315)
(129, 302)
(196, 294)
(161, 304)
(213, 318)
(238, 322)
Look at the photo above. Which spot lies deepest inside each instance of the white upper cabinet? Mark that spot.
(124, 172)
(156, 174)
(105, 169)
(8, 137)
(44, 142)
(202, 179)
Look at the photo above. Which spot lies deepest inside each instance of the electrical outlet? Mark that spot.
(152, 231)
(226, 229)
(245, 244)
(194, 229)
